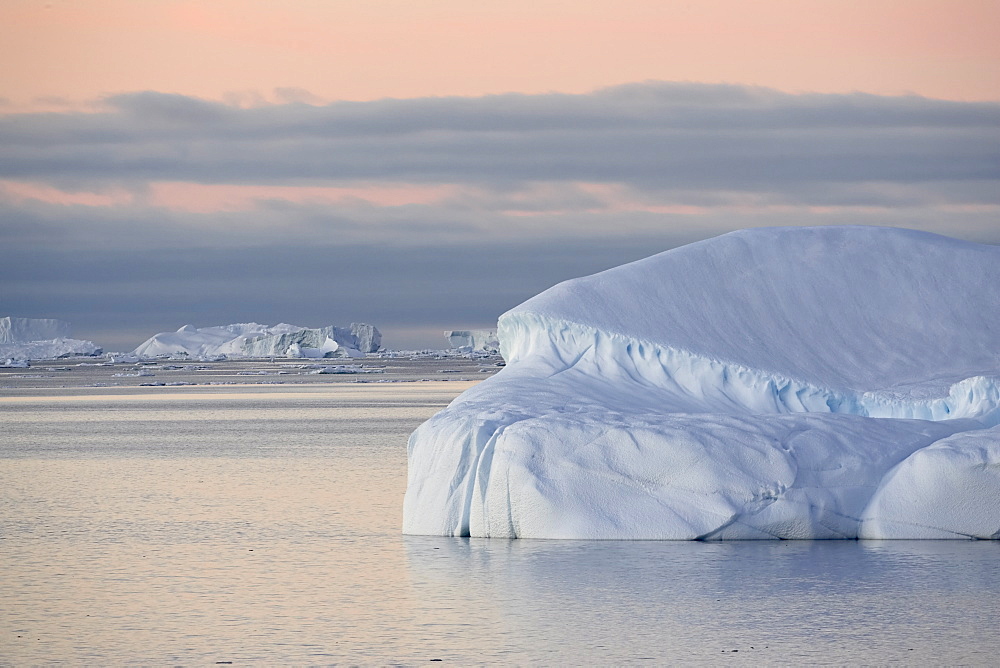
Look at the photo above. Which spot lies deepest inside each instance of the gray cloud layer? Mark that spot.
(651, 135)
(518, 221)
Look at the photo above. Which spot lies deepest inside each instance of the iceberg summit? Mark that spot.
(793, 383)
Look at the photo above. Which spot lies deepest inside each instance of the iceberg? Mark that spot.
(793, 383)
(24, 330)
(329, 341)
(482, 340)
(23, 339)
(255, 340)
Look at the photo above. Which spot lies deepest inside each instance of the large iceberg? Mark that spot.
(23, 330)
(833, 382)
(256, 340)
(39, 339)
(331, 341)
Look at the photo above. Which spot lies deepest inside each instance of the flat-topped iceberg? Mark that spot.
(24, 330)
(23, 339)
(833, 382)
(481, 340)
(256, 340)
(329, 341)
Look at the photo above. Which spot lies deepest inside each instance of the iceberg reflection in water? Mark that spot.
(607, 602)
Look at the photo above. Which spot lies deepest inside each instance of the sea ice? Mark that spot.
(833, 382)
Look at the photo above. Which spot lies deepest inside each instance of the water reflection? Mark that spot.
(788, 601)
(265, 527)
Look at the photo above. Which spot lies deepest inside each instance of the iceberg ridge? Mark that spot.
(688, 382)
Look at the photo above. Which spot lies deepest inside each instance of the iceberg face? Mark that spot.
(256, 340)
(24, 330)
(775, 383)
(206, 341)
(366, 338)
(23, 339)
(47, 350)
(484, 340)
(328, 341)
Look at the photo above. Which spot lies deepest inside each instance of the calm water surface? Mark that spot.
(260, 524)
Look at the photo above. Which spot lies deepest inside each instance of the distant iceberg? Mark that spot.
(482, 340)
(833, 382)
(329, 341)
(23, 330)
(255, 340)
(23, 339)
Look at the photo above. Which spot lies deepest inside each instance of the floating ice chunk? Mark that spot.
(775, 383)
(345, 369)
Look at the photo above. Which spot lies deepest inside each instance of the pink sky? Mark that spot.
(62, 54)
(253, 51)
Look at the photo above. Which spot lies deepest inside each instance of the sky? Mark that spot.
(427, 165)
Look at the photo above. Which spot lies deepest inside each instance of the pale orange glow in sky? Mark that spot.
(64, 52)
(204, 198)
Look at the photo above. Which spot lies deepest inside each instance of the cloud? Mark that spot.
(157, 209)
(652, 135)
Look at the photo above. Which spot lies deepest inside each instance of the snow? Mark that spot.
(476, 339)
(834, 382)
(256, 340)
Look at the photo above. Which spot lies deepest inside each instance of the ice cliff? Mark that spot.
(360, 338)
(40, 338)
(834, 382)
(256, 340)
(23, 330)
(483, 340)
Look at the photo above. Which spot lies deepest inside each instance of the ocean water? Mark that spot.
(259, 523)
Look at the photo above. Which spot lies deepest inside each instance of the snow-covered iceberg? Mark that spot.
(834, 382)
(23, 339)
(256, 340)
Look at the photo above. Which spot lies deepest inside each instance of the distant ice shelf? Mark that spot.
(832, 382)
